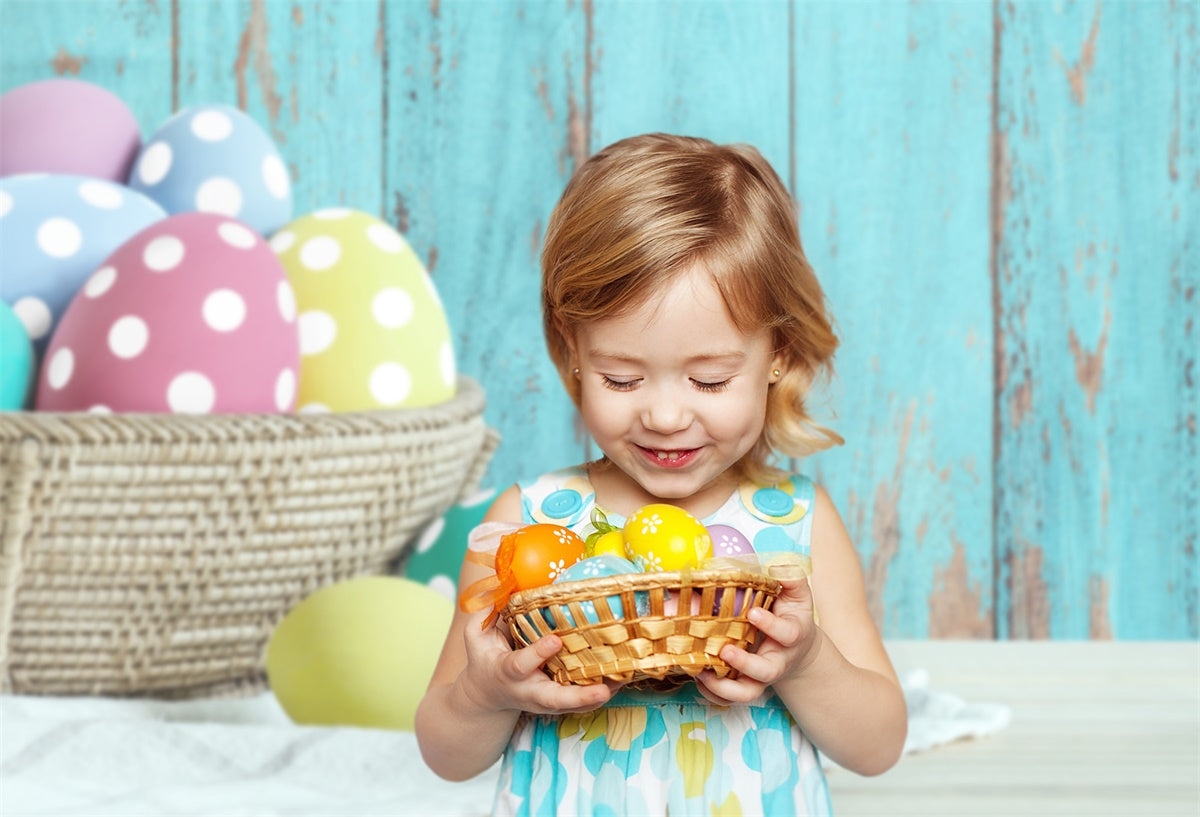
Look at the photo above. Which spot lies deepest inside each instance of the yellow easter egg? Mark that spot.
(661, 538)
(609, 544)
(373, 332)
(359, 652)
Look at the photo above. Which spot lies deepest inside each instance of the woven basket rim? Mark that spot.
(589, 589)
(82, 426)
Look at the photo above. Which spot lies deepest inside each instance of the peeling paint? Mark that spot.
(1099, 621)
(1089, 366)
(1029, 596)
(535, 241)
(885, 524)
(885, 532)
(543, 93)
(1077, 74)
(254, 47)
(66, 63)
(1020, 402)
(400, 212)
(956, 602)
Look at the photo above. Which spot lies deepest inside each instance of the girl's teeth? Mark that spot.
(663, 455)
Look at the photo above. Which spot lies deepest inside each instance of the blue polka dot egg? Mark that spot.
(597, 567)
(216, 159)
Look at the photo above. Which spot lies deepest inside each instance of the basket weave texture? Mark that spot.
(155, 554)
(687, 618)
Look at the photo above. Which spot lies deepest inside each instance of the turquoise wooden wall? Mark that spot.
(1001, 199)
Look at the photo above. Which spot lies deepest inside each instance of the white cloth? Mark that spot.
(91, 757)
(936, 717)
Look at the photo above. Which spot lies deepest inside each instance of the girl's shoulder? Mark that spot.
(563, 497)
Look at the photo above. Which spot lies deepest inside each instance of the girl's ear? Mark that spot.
(778, 366)
(572, 357)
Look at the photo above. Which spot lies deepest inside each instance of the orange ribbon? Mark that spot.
(491, 591)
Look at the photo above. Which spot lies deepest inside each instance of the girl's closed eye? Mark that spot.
(620, 384)
(712, 385)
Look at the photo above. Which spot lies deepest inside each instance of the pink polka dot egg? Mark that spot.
(216, 159)
(373, 333)
(194, 314)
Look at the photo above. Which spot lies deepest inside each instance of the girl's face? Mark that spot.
(674, 394)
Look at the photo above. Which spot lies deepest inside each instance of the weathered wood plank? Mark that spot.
(1097, 460)
(712, 69)
(310, 72)
(484, 127)
(892, 175)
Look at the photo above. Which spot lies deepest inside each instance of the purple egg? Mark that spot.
(67, 126)
(729, 543)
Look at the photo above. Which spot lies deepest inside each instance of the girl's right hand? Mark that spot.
(499, 678)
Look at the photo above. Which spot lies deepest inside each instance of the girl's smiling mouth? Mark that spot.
(668, 458)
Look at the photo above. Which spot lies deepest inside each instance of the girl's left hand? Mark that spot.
(791, 635)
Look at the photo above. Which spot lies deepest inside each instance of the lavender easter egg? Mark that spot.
(730, 543)
(67, 126)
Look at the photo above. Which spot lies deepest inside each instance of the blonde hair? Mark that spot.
(650, 207)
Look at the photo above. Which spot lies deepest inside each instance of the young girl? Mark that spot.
(687, 327)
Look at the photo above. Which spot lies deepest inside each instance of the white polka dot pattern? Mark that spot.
(373, 333)
(188, 316)
(56, 230)
(216, 159)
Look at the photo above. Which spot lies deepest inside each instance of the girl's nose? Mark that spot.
(665, 412)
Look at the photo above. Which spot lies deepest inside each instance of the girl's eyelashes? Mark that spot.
(619, 385)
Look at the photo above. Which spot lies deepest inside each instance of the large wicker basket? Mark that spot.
(154, 554)
(711, 609)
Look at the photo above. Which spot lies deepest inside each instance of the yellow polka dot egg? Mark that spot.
(373, 332)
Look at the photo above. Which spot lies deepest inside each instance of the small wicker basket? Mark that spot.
(154, 554)
(655, 643)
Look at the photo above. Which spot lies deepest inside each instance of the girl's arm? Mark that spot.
(481, 686)
(835, 679)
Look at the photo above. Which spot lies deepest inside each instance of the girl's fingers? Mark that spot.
(528, 660)
(726, 691)
(757, 667)
(784, 629)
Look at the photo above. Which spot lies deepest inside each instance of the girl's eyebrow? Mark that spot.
(732, 357)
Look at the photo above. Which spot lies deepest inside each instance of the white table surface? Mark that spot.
(1098, 728)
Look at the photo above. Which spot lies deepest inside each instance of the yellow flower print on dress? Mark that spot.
(694, 757)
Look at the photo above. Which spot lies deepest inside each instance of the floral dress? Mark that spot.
(658, 753)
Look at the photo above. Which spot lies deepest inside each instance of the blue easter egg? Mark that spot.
(56, 230)
(16, 361)
(596, 567)
(216, 159)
